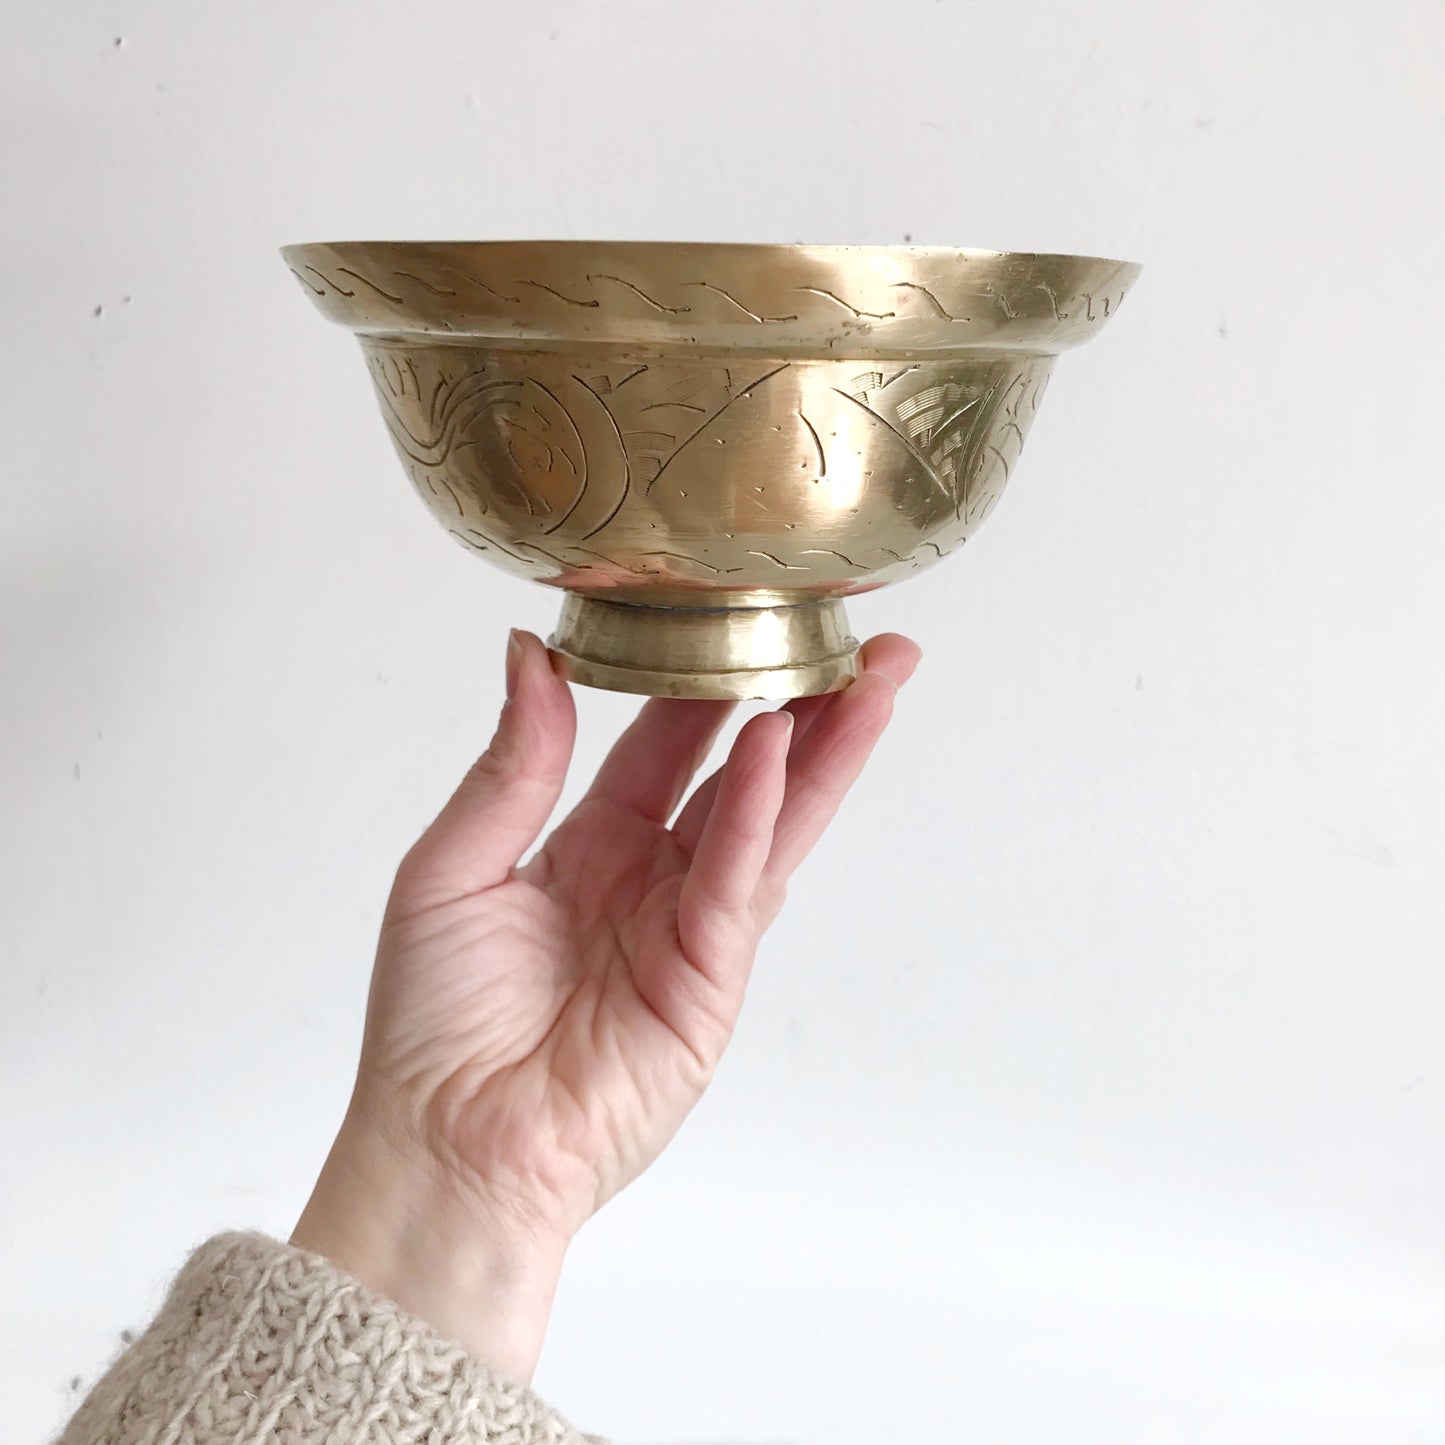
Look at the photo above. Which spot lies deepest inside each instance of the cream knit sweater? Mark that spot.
(258, 1341)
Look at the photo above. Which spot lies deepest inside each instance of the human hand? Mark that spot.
(537, 1033)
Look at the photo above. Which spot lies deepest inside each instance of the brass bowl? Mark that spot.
(708, 446)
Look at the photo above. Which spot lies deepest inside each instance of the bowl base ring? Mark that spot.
(796, 648)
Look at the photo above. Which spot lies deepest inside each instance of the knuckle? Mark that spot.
(509, 763)
(413, 867)
(772, 894)
(492, 767)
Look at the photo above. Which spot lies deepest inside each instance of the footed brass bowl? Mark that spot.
(708, 446)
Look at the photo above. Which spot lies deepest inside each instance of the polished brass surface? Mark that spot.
(708, 446)
(791, 650)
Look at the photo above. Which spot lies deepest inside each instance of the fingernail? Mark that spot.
(514, 660)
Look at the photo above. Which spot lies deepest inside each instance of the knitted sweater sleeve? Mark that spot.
(258, 1341)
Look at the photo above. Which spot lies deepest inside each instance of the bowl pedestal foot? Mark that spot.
(795, 648)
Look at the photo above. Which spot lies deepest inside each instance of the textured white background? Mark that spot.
(1093, 1087)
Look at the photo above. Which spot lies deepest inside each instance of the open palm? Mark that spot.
(536, 1033)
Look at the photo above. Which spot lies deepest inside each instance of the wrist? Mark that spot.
(473, 1273)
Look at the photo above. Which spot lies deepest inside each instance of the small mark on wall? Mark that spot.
(1361, 844)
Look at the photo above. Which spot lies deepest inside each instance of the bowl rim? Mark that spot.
(820, 250)
(706, 297)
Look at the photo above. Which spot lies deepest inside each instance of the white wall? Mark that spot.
(1093, 1087)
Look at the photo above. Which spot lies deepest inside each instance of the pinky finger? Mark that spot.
(714, 912)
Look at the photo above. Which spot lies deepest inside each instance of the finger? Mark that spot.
(715, 923)
(505, 799)
(651, 764)
(823, 767)
(890, 653)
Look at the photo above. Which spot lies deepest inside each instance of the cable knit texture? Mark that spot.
(259, 1341)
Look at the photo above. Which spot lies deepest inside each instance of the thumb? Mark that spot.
(508, 794)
